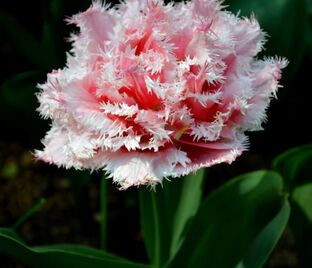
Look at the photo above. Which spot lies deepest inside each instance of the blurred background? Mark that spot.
(33, 42)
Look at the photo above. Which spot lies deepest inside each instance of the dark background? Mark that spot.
(33, 42)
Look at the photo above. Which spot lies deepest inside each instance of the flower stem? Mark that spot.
(103, 211)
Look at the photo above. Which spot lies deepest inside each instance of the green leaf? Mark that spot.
(295, 165)
(301, 223)
(61, 256)
(166, 214)
(265, 242)
(286, 22)
(229, 220)
(104, 190)
(190, 191)
(155, 225)
(302, 196)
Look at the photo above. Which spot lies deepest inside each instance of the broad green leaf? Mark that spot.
(286, 22)
(229, 220)
(190, 196)
(301, 223)
(61, 256)
(302, 196)
(295, 165)
(166, 214)
(266, 240)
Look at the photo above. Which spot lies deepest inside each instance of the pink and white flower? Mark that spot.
(153, 90)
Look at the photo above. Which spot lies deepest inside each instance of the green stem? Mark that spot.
(29, 213)
(157, 253)
(103, 211)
